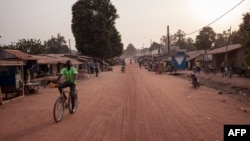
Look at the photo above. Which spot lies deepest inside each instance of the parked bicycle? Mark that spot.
(63, 102)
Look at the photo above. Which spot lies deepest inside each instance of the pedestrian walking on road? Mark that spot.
(96, 68)
(222, 65)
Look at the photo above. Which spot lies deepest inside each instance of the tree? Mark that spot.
(93, 26)
(130, 51)
(114, 47)
(190, 44)
(30, 46)
(245, 30)
(56, 45)
(236, 37)
(222, 39)
(164, 40)
(205, 39)
(154, 46)
(179, 39)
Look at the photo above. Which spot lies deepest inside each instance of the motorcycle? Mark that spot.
(195, 80)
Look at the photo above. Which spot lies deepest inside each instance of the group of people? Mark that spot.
(93, 66)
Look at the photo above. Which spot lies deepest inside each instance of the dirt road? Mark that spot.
(133, 106)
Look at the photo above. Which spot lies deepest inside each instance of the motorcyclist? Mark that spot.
(195, 80)
(123, 63)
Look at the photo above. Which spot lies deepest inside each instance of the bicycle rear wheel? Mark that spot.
(58, 109)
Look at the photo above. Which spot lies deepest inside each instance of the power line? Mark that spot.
(217, 18)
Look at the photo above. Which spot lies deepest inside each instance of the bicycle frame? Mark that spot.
(65, 97)
(62, 102)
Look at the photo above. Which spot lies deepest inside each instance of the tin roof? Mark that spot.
(194, 54)
(11, 63)
(12, 54)
(60, 58)
(83, 58)
(41, 59)
(64, 59)
(223, 49)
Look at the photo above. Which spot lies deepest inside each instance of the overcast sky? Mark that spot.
(141, 22)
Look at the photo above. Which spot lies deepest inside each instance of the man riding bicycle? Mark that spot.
(69, 74)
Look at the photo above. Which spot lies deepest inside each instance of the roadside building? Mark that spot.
(61, 60)
(194, 58)
(16, 69)
(231, 55)
(47, 65)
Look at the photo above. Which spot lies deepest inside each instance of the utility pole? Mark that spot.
(228, 41)
(168, 41)
(143, 49)
(69, 47)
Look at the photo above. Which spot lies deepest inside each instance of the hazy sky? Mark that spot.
(141, 21)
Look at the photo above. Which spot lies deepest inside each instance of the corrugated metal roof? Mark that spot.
(19, 54)
(11, 63)
(41, 59)
(194, 54)
(84, 58)
(62, 59)
(223, 49)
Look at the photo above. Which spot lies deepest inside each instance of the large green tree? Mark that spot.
(93, 26)
(205, 39)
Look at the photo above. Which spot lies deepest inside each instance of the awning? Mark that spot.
(11, 63)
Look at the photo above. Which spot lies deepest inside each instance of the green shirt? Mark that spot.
(69, 74)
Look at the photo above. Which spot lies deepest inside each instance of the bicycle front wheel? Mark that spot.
(58, 109)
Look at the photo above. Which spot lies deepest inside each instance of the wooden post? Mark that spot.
(168, 41)
(22, 80)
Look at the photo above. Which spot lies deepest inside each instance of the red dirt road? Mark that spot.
(133, 106)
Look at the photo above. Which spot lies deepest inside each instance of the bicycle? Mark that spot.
(63, 102)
